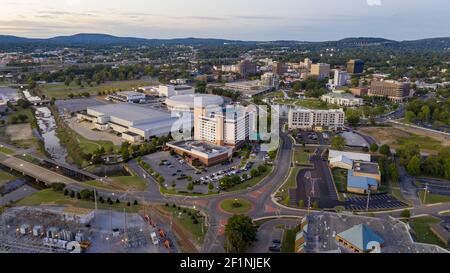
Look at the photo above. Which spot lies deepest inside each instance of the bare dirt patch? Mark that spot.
(19, 132)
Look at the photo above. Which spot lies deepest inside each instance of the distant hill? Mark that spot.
(102, 40)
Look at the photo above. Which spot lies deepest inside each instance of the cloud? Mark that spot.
(373, 3)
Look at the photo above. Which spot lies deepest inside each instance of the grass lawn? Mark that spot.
(301, 157)
(7, 151)
(125, 183)
(433, 198)
(288, 243)
(396, 137)
(90, 146)
(291, 182)
(50, 197)
(187, 222)
(424, 142)
(21, 111)
(252, 182)
(5, 177)
(340, 179)
(61, 91)
(239, 206)
(421, 227)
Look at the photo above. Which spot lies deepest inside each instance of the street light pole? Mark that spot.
(368, 199)
(425, 193)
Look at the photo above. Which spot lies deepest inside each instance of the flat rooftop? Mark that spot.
(131, 112)
(200, 146)
(366, 167)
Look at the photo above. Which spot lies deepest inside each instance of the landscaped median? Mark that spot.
(6, 151)
(236, 206)
(422, 232)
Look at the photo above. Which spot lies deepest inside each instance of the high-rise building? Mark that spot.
(271, 80)
(279, 68)
(320, 70)
(394, 90)
(246, 68)
(306, 119)
(230, 127)
(355, 66)
(340, 77)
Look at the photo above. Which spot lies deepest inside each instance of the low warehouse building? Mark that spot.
(197, 152)
(135, 123)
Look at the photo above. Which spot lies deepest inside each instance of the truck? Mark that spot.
(155, 239)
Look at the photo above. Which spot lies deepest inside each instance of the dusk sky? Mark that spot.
(309, 20)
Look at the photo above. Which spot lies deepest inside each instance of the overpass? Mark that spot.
(40, 174)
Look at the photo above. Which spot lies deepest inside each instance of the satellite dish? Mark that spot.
(374, 247)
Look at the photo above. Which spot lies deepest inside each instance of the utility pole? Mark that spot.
(368, 199)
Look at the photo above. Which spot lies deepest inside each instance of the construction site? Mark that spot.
(77, 230)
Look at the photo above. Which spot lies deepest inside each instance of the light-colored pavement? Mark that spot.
(85, 130)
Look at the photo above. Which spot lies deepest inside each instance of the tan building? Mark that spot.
(246, 68)
(279, 68)
(320, 70)
(359, 91)
(394, 90)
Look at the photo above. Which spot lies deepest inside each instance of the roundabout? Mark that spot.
(236, 206)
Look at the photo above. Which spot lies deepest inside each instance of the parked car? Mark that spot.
(275, 248)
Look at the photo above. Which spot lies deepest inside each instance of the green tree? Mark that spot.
(190, 186)
(410, 117)
(406, 213)
(338, 143)
(385, 150)
(373, 147)
(393, 172)
(240, 233)
(301, 204)
(413, 166)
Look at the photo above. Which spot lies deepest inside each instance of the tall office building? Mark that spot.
(355, 66)
(394, 90)
(246, 68)
(306, 119)
(340, 77)
(279, 68)
(320, 70)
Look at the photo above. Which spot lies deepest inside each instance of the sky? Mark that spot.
(257, 20)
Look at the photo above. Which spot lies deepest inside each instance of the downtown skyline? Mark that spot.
(285, 20)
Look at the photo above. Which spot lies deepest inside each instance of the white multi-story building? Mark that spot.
(306, 119)
(340, 78)
(231, 127)
(175, 90)
(342, 99)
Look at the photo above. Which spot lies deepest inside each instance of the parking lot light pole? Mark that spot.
(368, 199)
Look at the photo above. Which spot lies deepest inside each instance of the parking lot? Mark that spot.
(313, 138)
(176, 171)
(376, 202)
